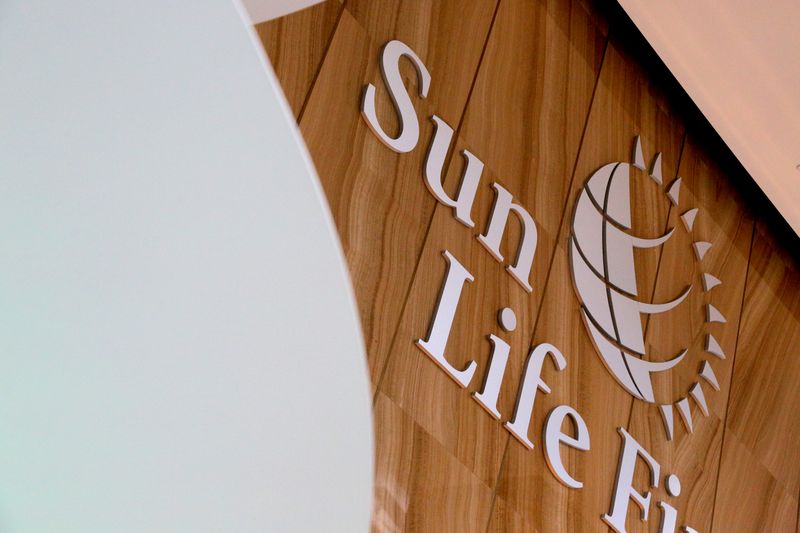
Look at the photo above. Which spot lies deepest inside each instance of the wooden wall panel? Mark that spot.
(440, 407)
(380, 205)
(762, 439)
(544, 93)
(624, 104)
(296, 46)
(725, 221)
(412, 380)
(419, 485)
(449, 36)
(765, 396)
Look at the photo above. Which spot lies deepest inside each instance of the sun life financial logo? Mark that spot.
(601, 248)
(605, 281)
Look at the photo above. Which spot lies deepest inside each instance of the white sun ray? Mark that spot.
(710, 281)
(713, 347)
(638, 156)
(697, 393)
(707, 373)
(669, 419)
(713, 315)
(688, 218)
(701, 248)
(655, 169)
(674, 192)
(685, 410)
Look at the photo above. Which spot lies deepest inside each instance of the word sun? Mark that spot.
(458, 276)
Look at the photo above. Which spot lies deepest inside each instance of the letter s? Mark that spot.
(390, 69)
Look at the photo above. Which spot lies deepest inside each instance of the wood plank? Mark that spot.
(378, 197)
(750, 498)
(560, 58)
(506, 520)
(765, 398)
(419, 486)
(296, 45)
(724, 220)
(626, 103)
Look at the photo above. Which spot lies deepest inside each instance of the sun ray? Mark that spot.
(707, 373)
(710, 281)
(674, 192)
(697, 393)
(701, 248)
(688, 218)
(669, 419)
(638, 156)
(685, 410)
(713, 347)
(713, 315)
(655, 169)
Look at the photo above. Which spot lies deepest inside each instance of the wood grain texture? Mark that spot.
(532, 88)
(449, 36)
(412, 379)
(724, 220)
(296, 45)
(765, 397)
(419, 486)
(378, 197)
(762, 438)
(505, 518)
(560, 62)
(749, 498)
(624, 105)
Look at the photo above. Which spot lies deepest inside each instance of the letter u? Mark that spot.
(434, 164)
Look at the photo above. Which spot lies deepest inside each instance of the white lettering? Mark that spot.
(503, 205)
(462, 205)
(623, 488)
(442, 321)
(407, 139)
(554, 437)
(487, 398)
(531, 382)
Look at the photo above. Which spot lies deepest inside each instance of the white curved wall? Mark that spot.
(179, 344)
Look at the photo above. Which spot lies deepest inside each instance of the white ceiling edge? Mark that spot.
(180, 345)
(738, 62)
(263, 10)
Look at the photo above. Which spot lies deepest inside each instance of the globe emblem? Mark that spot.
(601, 248)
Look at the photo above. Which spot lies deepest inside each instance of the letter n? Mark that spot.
(491, 239)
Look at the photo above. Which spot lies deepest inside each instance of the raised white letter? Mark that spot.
(462, 205)
(487, 398)
(623, 489)
(553, 437)
(390, 70)
(669, 518)
(503, 204)
(531, 381)
(442, 322)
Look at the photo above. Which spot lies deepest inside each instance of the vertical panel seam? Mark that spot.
(733, 374)
(310, 90)
(552, 259)
(379, 382)
(797, 520)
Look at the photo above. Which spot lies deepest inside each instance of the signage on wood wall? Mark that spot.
(601, 249)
